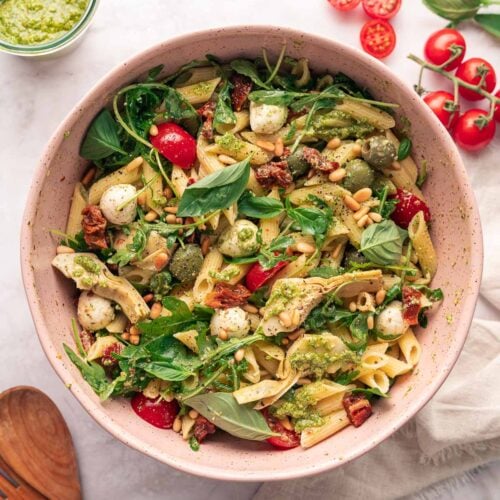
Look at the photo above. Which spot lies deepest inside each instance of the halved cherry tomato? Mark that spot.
(378, 38)
(471, 71)
(382, 9)
(442, 44)
(473, 131)
(257, 276)
(344, 4)
(157, 412)
(441, 103)
(497, 107)
(407, 207)
(175, 144)
(287, 439)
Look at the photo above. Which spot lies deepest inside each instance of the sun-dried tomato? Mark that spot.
(202, 428)
(274, 173)
(207, 114)
(87, 339)
(224, 296)
(242, 86)
(317, 161)
(358, 408)
(94, 227)
(107, 358)
(411, 305)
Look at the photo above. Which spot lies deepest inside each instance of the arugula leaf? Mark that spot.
(435, 295)
(259, 297)
(154, 72)
(345, 378)
(259, 207)
(382, 243)
(140, 104)
(224, 114)
(215, 191)
(223, 410)
(248, 68)
(387, 205)
(325, 272)
(180, 110)
(319, 317)
(276, 97)
(370, 392)
(131, 251)
(404, 149)
(102, 138)
(166, 371)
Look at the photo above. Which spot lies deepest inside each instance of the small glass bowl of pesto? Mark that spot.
(41, 28)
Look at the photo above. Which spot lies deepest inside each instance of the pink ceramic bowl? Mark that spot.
(456, 232)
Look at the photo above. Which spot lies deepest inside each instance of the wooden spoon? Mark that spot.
(36, 443)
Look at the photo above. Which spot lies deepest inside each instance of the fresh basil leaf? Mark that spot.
(224, 114)
(404, 148)
(454, 10)
(422, 174)
(223, 410)
(345, 378)
(489, 23)
(382, 243)
(102, 138)
(165, 371)
(194, 444)
(370, 392)
(248, 68)
(259, 207)
(215, 191)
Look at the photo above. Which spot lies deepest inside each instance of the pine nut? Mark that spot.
(167, 192)
(285, 422)
(370, 322)
(249, 308)
(362, 222)
(227, 160)
(141, 199)
(361, 213)
(134, 339)
(170, 218)
(362, 195)
(337, 175)
(193, 414)
(333, 143)
(155, 310)
(148, 297)
(205, 245)
(304, 247)
(267, 145)
(295, 317)
(296, 334)
(125, 336)
(285, 341)
(177, 426)
(178, 220)
(285, 319)
(170, 210)
(64, 249)
(134, 164)
(336, 252)
(223, 334)
(356, 149)
(303, 381)
(89, 176)
(151, 216)
(161, 260)
(153, 130)
(353, 307)
(133, 330)
(279, 147)
(380, 296)
(239, 355)
(396, 165)
(351, 203)
(375, 217)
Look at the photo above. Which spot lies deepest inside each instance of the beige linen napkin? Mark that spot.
(458, 430)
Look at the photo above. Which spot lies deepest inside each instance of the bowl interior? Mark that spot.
(455, 229)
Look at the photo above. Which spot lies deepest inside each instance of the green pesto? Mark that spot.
(87, 281)
(201, 88)
(339, 124)
(32, 22)
(78, 272)
(245, 234)
(225, 274)
(88, 264)
(230, 143)
(283, 292)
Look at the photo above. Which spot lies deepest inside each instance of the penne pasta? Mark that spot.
(366, 113)
(78, 202)
(204, 282)
(410, 347)
(334, 422)
(422, 244)
(200, 92)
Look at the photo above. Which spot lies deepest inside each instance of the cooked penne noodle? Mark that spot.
(364, 112)
(410, 347)
(394, 367)
(422, 244)
(199, 92)
(154, 189)
(204, 283)
(242, 122)
(78, 202)
(334, 422)
(196, 75)
(189, 339)
(377, 379)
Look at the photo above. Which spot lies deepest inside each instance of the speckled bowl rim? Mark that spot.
(98, 412)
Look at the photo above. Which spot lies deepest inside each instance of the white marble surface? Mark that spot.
(35, 96)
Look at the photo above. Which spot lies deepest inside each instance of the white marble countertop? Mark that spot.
(34, 98)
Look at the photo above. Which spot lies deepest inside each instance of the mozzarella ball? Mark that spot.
(94, 312)
(240, 240)
(233, 321)
(267, 118)
(390, 321)
(113, 198)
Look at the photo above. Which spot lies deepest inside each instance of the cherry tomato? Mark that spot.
(497, 107)
(470, 71)
(407, 207)
(381, 9)
(175, 144)
(378, 38)
(344, 4)
(157, 412)
(287, 439)
(442, 44)
(473, 131)
(257, 276)
(441, 103)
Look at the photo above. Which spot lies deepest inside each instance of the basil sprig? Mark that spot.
(259, 207)
(404, 149)
(215, 191)
(383, 243)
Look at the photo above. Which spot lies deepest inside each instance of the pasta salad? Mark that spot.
(251, 249)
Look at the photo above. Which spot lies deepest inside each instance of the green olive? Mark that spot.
(296, 163)
(186, 263)
(379, 151)
(352, 256)
(381, 182)
(358, 175)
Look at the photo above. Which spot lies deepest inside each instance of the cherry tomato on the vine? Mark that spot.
(287, 439)
(442, 105)
(344, 4)
(497, 107)
(175, 144)
(378, 38)
(381, 9)
(443, 44)
(472, 71)
(473, 131)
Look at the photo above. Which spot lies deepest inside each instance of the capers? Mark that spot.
(186, 263)
(358, 175)
(297, 164)
(379, 151)
(352, 256)
(381, 182)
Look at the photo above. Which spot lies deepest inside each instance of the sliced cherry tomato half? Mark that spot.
(378, 38)
(472, 71)
(157, 412)
(344, 4)
(441, 104)
(407, 207)
(287, 439)
(175, 144)
(473, 131)
(497, 107)
(381, 9)
(257, 276)
(442, 45)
